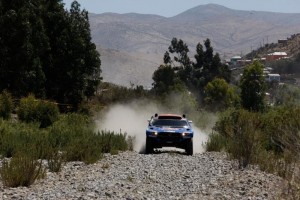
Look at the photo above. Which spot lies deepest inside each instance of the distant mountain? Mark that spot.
(132, 45)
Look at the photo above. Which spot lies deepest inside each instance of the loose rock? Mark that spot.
(163, 175)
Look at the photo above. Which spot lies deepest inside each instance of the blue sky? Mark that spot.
(169, 8)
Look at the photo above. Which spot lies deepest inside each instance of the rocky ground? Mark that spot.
(164, 175)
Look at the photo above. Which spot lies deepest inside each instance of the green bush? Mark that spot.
(216, 142)
(27, 110)
(6, 105)
(34, 110)
(74, 135)
(85, 149)
(68, 128)
(47, 113)
(20, 137)
(55, 160)
(282, 132)
(270, 139)
(71, 138)
(241, 130)
(112, 142)
(245, 139)
(21, 170)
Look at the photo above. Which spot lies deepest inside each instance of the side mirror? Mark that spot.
(190, 122)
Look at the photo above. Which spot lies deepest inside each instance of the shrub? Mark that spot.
(68, 128)
(47, 113)
(21, 170)
(130, 142)
(20, 137)
(55, 160)
(85, 149)
(33, 110)
(245, 140)
(6, 105)
(270, 139)
(74, 135)
(111, 141)
(216, 142)
(27, 109)
(241, 130)
(282, 132)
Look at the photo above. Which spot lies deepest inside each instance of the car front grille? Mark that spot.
(169, 135)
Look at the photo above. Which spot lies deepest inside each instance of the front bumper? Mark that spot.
(169, 139)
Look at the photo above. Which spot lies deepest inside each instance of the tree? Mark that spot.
(163, 79)
(253, 87)
(75, 69)
(208, 66)
(219, 94)
(47, 51)
(23, 44)
(180, 60)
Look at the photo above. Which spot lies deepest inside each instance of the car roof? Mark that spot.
(169, 116)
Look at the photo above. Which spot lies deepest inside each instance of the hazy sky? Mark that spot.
(169, 8)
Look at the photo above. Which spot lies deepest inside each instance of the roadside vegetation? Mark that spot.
(42, 133)
(262, 130)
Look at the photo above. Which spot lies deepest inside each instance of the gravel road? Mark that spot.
(164, 175)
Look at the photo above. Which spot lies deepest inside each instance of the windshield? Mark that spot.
(169, 122)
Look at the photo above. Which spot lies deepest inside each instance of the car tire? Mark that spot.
(189, 147)
(149, 146)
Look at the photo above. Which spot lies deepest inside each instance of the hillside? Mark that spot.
(147, 37)
(290, 45)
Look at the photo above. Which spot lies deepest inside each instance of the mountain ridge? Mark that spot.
(145, 36)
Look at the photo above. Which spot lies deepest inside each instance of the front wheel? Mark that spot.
(149, 147)
(189, 147)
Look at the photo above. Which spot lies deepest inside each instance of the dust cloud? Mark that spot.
(133, 118)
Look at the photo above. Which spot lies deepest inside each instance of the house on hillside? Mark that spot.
(276, 56)
(234, 60)
(283, 41)
(273, 77)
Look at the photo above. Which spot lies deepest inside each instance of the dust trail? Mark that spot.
(199, 140)
(132, 119)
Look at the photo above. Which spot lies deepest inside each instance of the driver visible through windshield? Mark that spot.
(169, 123)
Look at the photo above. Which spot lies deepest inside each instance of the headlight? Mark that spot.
(154, 133)
(185, 134)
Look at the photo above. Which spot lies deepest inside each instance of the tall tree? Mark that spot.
(208, 66)
(180, 59)
(47, 51)
(164, 79)
(23, 43)
(253, 87)
(77, 63)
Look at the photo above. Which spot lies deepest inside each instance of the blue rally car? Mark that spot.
(169, 130)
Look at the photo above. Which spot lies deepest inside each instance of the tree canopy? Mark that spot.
(47, 50)
(253, 87)
(219, 94)
(194, 74)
